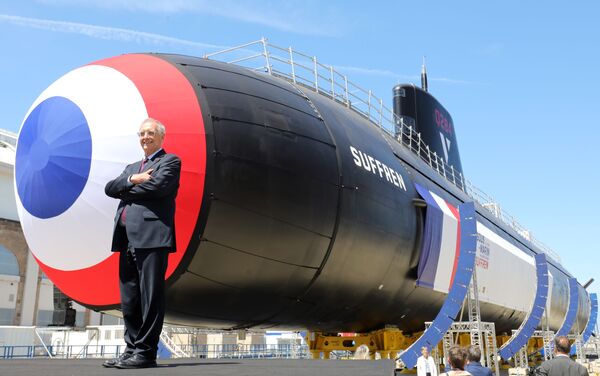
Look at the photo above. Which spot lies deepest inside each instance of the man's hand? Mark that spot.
(142, 177)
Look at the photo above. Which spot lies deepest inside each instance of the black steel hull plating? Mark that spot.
(292, 234)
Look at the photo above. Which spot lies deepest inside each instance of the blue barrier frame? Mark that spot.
(572, 310)
(591, 324)
(458, 291)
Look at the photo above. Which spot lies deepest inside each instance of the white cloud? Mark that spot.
(453, 81)
(396, 76)
(134, 36)
(102, 32)
(374, 72)
(280, 15)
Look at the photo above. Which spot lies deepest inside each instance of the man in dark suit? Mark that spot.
(144, 234)
(562, 364)
(474, 366)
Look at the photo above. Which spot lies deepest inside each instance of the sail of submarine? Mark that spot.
(295, 211)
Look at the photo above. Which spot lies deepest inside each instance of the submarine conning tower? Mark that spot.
(418, 109)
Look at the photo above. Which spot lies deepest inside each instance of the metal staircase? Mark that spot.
(166, 338)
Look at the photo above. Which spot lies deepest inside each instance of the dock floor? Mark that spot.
(201, 367)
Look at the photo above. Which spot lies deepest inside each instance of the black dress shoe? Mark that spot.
(136, 361)
(112, 362)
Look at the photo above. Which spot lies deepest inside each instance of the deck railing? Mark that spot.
(306, 70)
(211, 351)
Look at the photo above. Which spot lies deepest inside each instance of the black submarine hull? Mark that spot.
(295, 235)
(294, 211)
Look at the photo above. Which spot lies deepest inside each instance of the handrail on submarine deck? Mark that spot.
(302, 69)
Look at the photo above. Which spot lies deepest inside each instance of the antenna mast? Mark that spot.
(424, 76)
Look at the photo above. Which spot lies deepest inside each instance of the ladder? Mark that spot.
(176, 350)
(474, 313)
(483, 334)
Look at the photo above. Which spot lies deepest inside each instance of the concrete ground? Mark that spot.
(201, 367)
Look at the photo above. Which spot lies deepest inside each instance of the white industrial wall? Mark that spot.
(9, 285)
(8, 207)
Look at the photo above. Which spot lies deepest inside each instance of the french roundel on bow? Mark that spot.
(79, 134)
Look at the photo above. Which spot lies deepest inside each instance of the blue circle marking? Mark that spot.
(54, 154)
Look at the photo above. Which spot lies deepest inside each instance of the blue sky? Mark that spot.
(520, 79)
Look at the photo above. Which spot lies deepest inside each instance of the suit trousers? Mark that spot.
(142, 286)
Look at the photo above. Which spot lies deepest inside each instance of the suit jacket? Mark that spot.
(561, 366)
(476, 369)
(150, 217)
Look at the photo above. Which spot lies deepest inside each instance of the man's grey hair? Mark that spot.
(562, 344)
(474, 353)
(160, 126)
(457, 356)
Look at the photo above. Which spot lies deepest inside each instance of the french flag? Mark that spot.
(441, 243)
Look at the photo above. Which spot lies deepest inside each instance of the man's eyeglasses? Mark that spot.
(146, 133)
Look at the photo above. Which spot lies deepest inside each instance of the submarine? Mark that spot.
(296, 209)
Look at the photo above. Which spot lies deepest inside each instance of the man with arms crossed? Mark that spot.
(144, 234)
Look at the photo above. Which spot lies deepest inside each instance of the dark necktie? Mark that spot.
(124, 212)
(144, 161)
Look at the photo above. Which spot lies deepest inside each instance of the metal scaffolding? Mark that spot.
(482, 333)
(521, 360)
(487, 330)
(474, 312)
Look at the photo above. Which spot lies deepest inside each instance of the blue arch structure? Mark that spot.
(572, 310)
(460, 285)
(591, 324)
(525, 331)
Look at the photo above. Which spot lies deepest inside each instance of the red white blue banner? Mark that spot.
(441, 243)
(496, 258)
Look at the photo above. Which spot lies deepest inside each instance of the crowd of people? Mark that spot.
(463, 361)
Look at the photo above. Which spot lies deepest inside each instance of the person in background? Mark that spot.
(561, 364)
(362, 353)
(457, 357)
(425, 364)
(474, 366)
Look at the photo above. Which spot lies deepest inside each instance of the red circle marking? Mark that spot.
(170, 98)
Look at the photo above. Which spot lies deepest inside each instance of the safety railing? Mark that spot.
(61, 351)
(300, 68)
(281, 351)
(212, 351)
(306, 70)
(407, 136)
